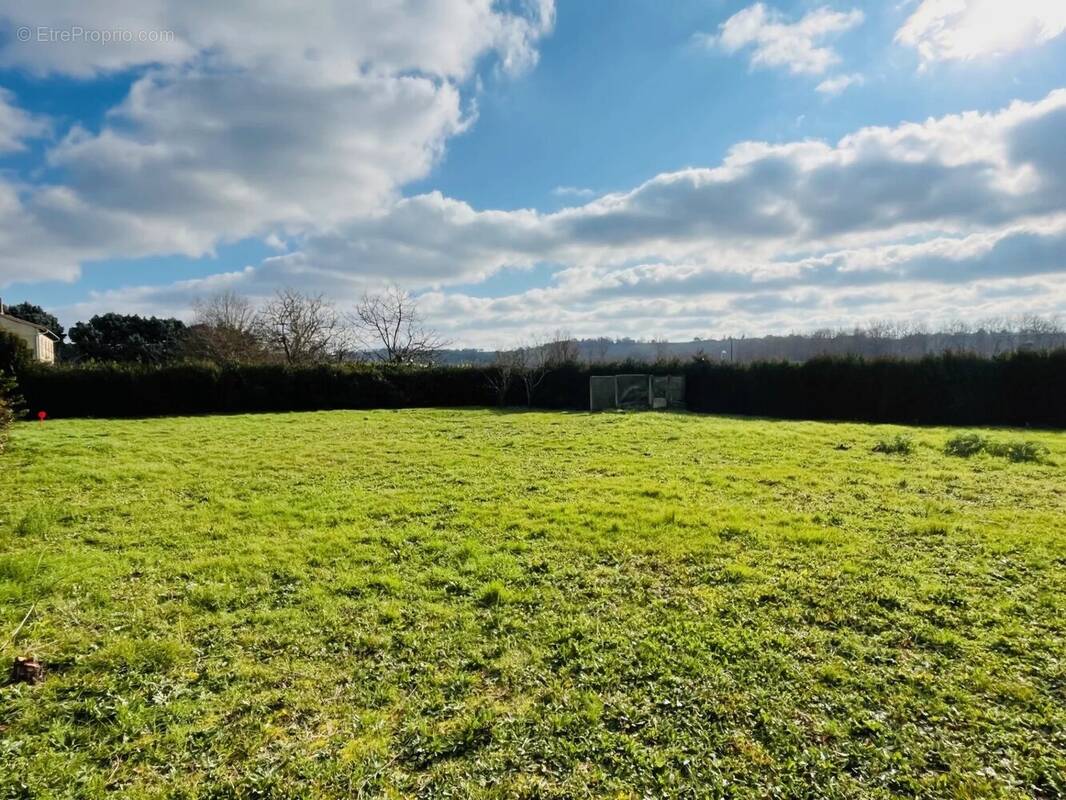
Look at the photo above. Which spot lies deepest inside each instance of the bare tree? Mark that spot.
(303, 329)
(226, 310)
(533, 367)
(535, 361)
(662, 349)
(226, 329)
(506, 367)
(388, 327)
(561, 348)
(597, 349)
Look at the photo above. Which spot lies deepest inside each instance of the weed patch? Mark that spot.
(1019, 451)
(965, 445)
(899, 445)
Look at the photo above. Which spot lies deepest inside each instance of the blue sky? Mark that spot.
(618, 98)
(533, 166)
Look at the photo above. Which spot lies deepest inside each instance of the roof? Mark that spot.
(39, 328)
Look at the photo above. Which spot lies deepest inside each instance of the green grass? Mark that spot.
(481, 604)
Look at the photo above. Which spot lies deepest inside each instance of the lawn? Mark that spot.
(479, 604)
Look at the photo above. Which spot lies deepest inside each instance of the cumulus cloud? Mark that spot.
(1022, 251)
(246, 119)
(966, 208)
(335, 40)
(953, 173)
(227, 135)
(17, 125)
(201, 157)
(838, 83)
(775, 42)
(960, 30)
(193, 159)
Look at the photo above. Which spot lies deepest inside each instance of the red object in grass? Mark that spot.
(41, 415)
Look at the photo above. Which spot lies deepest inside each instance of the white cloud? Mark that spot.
(777, 43)
(838, 83)
(255, 119)
(227, 134)
(16, 125)
(336, 40)
(194, 159)
(203, 157)
(942, 30)
(573, 191)
(966, 209)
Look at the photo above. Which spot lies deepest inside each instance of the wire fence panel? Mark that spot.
(636, 392)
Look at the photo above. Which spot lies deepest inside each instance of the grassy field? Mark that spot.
(482, 604)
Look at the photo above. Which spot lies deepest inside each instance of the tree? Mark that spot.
(302, 329)
(15, 354)
(129, 338)
(14, 357)
(389, 328)
(661, 345)
(36, 315)
(597, 349)
(533, 368)
(226, 329)
(533, 362)
(506, 367)
(561, 349)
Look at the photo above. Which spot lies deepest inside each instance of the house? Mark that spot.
(41, 341)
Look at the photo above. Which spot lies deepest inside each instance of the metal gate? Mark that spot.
(636, 392)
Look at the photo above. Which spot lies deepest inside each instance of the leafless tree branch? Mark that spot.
(388, 328)
(227, 329)
(304, 329)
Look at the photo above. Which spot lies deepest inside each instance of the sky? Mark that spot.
(526, 167)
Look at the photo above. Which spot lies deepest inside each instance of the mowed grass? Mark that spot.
(479, 604)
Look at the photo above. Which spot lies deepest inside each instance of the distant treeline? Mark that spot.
(301, 330)
(877, 340)
(1025, 388)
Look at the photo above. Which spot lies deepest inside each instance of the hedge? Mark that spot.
(6, 418)
(1021, 389)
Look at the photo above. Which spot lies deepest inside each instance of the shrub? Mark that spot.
(7, 416)
(1018, 450)
(969, 444)
(897, 445)
(15, 355)
(965, 445)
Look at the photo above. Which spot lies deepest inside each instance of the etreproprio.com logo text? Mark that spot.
(77, 34)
